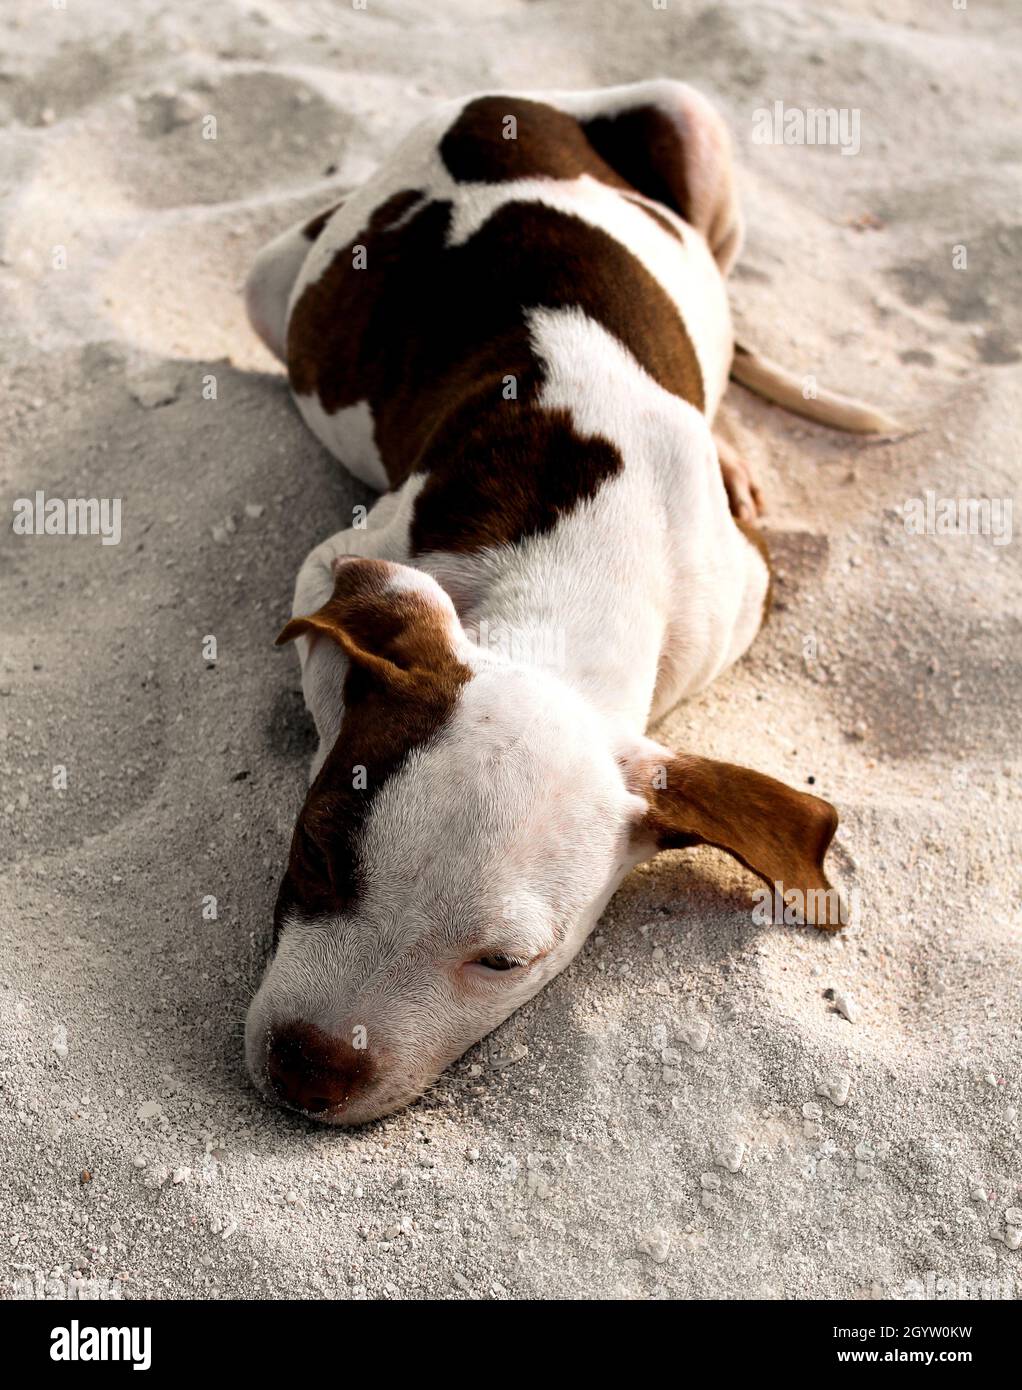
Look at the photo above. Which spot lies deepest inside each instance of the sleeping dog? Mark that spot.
(518, 332)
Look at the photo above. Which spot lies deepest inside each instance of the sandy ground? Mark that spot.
(664, 1120)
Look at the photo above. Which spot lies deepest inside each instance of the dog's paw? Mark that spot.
(743, 490)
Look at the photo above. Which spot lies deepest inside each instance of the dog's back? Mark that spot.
(411, 292)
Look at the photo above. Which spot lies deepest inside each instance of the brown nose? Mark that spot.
(311, 1071)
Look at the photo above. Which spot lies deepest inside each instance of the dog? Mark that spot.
(518, 332)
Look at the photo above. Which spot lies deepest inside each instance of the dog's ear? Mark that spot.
(779, 833)
(391, 621)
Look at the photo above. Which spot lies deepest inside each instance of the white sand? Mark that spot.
(586, 1165)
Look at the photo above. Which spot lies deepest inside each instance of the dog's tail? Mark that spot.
(774, 383)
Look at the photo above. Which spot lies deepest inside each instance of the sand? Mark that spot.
(685, 1112)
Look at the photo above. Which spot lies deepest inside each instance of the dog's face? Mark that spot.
(462, 836)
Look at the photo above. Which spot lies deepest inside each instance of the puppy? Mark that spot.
(517, 331)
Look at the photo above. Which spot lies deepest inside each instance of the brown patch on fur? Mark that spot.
(318, 345)
(538, 468)
(782, 835)
(401, 688)
(549, 144)
(643, 145)
(313, 1072)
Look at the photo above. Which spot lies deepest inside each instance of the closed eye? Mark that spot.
(496, 960)
(492, 963)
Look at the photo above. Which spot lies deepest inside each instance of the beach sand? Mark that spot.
(685, 1112)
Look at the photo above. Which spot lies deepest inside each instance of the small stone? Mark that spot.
(515, 1054)
(696, 1034)
(846, 1006)
(1013, 1216)
(710, 1182)
(656, 1244)
(158, 387)
(254, 510)
(836, 1088)
(1012, 1237)
(149, 1110)
(812, 1111)
(181, 1175)
(138, 1161)
(472, 1155)
(730, 1156)
(979, 1194)
(461, 1282)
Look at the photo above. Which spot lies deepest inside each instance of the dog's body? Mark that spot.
(519, 328)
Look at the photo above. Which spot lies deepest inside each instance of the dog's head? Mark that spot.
(467, 824)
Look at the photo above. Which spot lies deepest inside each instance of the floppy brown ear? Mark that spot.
(391, 620)
(779, 833)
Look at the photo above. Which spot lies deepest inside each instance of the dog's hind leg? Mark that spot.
(272, 278)
(671, 145)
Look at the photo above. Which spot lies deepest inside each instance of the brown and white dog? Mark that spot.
(518, 331)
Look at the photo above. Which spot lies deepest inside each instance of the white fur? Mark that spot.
(348, 433)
